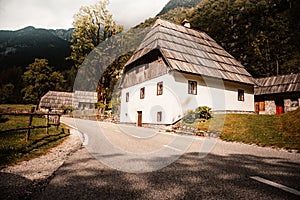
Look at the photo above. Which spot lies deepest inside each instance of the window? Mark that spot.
(92, 106)
(241, 96)
(127, 97)
(159, 116)
(142, 93)
(192, 87)
(159, 88)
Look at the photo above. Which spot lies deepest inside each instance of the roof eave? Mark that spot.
(185, 72)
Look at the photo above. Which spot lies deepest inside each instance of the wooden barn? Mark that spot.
(82, 100)
(277, 94)
(176, 69)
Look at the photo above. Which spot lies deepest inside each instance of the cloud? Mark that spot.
(135, 11)
(16, 14)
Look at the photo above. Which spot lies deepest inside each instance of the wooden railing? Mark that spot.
(55, 118)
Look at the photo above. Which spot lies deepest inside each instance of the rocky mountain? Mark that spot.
(172, 4)
(62, 33)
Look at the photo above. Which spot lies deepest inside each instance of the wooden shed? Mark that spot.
(82, 100)
(55, 100)
(277, 94)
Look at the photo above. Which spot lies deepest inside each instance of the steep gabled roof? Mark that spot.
(187, 50)
(277, 84)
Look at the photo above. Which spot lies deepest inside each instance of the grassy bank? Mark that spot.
(281, 131)
(13, 145)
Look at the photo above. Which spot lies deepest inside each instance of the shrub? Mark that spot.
(66, 109)
(189, 117)
(202, 112)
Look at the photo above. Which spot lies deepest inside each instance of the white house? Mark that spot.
(176, 69)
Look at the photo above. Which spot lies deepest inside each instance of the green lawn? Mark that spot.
(265, 130)
(13, 145)
(17, 106)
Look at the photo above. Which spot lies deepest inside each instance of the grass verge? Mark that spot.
(13, 145)
(281, 131)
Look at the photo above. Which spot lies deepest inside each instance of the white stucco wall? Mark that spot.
(175, 101)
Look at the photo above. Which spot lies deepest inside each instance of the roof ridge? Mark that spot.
(275, 76)
(157, 23)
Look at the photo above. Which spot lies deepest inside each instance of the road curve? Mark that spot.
(206, 169)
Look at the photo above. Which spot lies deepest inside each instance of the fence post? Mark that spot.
(57, 122)
(47, 123)
(29, 123)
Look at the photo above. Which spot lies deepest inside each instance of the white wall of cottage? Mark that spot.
(219, 95)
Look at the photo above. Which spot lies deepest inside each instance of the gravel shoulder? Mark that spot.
(22, 179)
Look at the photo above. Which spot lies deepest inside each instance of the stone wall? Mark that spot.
(289, 105)
(270, 107)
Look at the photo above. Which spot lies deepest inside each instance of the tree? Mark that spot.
(262, 34)
(92, 25)
(39, 79)
(6, 93)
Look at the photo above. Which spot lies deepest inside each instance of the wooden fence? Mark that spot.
(55, 118)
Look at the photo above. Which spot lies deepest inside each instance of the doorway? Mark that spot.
(140, 119)
(279, 106)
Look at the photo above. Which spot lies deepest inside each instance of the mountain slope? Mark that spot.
(263, 34)
(21, 47)
(172, 4)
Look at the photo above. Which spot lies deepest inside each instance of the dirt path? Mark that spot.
(22, 179)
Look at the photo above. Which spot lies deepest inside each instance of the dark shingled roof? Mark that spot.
(277, 84)
(187, 50)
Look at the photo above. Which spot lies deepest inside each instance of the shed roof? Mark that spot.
(84, 97)
(188, 50)
(277, 84)
(56, 100)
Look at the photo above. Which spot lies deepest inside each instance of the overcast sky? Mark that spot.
(54, 14)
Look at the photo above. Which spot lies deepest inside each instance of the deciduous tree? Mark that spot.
(6, 93)
(92, 25)
(39, 79)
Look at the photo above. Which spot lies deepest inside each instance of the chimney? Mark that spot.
(186, 23)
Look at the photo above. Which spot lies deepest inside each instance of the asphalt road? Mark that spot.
(126, 162)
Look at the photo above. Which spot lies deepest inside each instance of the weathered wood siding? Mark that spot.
(144, 73)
